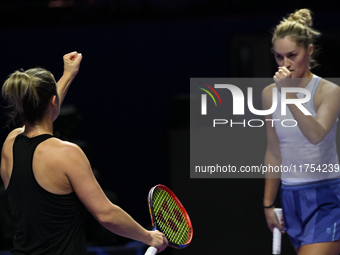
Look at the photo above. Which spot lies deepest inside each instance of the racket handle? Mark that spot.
(151, 251)
(277, 233)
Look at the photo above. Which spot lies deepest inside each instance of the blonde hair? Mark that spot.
(299, 27)
(28, 93)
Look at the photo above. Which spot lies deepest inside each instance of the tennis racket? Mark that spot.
(277, 234)
(169, 216)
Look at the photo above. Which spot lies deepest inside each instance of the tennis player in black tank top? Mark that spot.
(49, 182)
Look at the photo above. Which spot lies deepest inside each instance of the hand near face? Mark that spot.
(282, 78)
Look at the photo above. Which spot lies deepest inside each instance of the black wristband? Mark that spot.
(266, 207)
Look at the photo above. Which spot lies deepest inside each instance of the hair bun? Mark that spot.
(302, 16)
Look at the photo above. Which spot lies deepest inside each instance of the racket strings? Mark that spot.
(170, 218)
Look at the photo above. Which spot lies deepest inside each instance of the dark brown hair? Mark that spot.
(28, 93)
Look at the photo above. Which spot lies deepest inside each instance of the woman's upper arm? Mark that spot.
(6, 156)
(273, 153)
(81, 177)
(329, 107)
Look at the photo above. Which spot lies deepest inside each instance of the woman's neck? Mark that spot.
(37, 128)
(307, 74)
(304, 80)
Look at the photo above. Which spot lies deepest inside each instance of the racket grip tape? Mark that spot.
(277, 233)
(151, 251)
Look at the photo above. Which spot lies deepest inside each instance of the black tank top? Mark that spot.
(45, 223)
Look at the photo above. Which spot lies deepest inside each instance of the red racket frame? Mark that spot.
(181, 207)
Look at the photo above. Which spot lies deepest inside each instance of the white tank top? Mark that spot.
(303, 162)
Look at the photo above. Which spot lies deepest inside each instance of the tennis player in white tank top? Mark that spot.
(308, 162)
(310, 201)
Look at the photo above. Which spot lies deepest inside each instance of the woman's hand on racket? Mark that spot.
(158, 240)
(272, 220)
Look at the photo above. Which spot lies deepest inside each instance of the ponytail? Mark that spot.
(28, 93)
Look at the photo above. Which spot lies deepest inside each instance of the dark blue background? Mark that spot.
(131, 95)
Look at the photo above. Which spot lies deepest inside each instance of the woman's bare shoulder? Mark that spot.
(329, 85)
(269, 88)
(328, 90)
(11, 137)
(62, 150)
